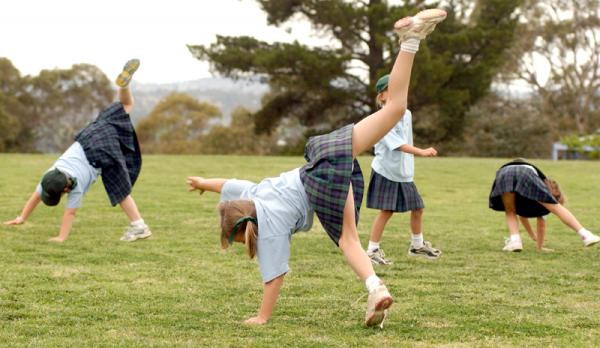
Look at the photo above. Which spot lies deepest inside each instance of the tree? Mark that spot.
(176, 125)
(238, 138)
(564, 37)
(454, 69)
(14, 134)
(65, 100)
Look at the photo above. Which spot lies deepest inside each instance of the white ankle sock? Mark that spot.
(373, 246)
(138, 223)
(515, 238)
(410, 46)
(372, 282)
(417, 240)
(584, 233)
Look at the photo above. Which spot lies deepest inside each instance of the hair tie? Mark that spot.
(239, 223)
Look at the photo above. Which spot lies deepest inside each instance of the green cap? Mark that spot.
(53, 185)
(382, 83)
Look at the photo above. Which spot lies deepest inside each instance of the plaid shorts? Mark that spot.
(327, 177)
(385, 194)
(527, 186)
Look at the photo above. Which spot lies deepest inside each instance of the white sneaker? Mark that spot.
(591, 240)
(134, 233)
(511, 245)
(378, 302)
(420, 25)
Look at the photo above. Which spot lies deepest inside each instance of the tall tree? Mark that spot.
(15, 122)
(176, 125)
(562, 36)
(317, 85)
(66, 100)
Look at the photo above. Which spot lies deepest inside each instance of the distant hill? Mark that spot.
(226, 94)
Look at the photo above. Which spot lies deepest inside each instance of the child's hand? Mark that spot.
(255, 321)
(194, 183)
(16, 221)
(56, 239)
(429, 152)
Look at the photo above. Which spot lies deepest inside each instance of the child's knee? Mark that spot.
(417, 212)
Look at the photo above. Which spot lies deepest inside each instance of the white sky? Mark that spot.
(47, 34)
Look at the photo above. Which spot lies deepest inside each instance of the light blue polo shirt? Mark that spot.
(393, 164)
(75, 164)
(282, 208)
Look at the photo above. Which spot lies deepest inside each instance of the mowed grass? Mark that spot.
(179, 289)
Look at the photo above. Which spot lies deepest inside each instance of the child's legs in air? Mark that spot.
(379, 224)
(126, 98)
(371, 129)
(510, 210)
(350, 243)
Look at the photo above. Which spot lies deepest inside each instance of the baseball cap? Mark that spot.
(382, 83)
(53, 186)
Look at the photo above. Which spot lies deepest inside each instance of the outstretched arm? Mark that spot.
(32, 202)
(428, 152)
(201, 184)
(270, 294)
(65, 226)
(527, 225)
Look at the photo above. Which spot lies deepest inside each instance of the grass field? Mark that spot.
(179, 289)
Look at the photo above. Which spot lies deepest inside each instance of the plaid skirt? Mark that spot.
(385, 194)
(327, 177)
(529, 189)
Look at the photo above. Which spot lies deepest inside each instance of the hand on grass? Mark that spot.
(16, 221)
(255, 321)
(194, 183)
(56, 239)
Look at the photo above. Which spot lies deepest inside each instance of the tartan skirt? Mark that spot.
(529, 189)
(385, 194)
(327, 177)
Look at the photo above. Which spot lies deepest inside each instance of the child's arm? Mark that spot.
(32, 202)
(428, 152)
(270, 294)
(527, 225)
(65, 226)
(541, 233)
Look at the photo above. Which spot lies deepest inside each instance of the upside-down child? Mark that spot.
(108, 146)
(522, 191)
(392, 188)
(263, 216)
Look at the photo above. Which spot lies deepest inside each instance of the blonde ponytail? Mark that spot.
(239, 215)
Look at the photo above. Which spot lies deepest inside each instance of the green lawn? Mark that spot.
(179, 289)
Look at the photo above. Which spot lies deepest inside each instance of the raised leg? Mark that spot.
(126, 98)
(371, 129)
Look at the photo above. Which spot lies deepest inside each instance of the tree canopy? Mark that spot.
(453, 70)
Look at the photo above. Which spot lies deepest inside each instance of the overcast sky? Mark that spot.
(46, 34)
